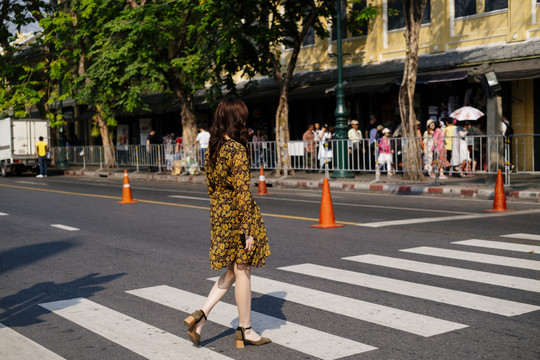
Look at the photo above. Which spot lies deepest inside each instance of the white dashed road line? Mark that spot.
(65, 227)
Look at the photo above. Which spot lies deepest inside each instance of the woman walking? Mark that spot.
(238, 236)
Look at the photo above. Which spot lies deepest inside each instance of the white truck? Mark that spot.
(18, 138)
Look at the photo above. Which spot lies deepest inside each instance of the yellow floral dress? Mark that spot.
(233, 211)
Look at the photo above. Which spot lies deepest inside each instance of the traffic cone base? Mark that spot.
(326, 226)
(326, 217)
(262, 183)
(126, 192)
(499, 199)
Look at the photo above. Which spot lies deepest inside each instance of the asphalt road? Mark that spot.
(407, 277)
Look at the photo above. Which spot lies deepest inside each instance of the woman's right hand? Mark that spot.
(249, 243)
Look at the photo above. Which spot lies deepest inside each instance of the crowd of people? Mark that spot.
(448, 147)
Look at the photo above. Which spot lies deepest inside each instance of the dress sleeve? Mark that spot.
(241, 175)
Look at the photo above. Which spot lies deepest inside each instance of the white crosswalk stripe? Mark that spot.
(153, 343)
(523, 236)
(297, 337)
(433, 293)
(139, 337)
(484, 277)
(500, 245)
(476, 257)
(15, 346)
(3, 214)
(382, 315)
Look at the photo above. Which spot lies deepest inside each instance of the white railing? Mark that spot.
(479, 155)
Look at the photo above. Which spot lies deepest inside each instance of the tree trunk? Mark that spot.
(412, 157)
(108, 146)
(189, 122)
(282, 134)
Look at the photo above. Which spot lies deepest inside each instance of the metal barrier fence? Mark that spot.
(469, 155)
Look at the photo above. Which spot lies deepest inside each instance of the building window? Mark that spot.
(361, 30)
(309, 39)
(492, 5)
(464, 7)
(396, 16)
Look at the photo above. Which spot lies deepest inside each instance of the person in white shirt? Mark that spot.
(203, 138)
(355, 146)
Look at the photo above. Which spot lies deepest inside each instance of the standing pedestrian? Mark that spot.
(203, 137)
(41, 151)
(448, 133)
(309, 145)
(357, 146)
(238, 235)
(151, 141)
(429, 147)
(385, 153)
(325, 147)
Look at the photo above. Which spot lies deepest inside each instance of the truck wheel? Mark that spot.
(4, 170)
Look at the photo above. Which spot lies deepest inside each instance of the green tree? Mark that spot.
(287, 22)
(29, 69)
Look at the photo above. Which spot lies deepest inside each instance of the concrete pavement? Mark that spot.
(522, 188)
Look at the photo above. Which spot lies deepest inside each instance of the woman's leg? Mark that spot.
(220, 288)
(242, 294)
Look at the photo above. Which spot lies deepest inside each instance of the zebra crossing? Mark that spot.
(152, 342)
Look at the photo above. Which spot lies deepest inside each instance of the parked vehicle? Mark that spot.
(18, 138)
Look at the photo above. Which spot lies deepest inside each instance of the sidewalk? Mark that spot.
(522, 188)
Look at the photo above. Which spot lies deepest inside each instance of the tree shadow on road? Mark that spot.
(22, 308)
(28, 254)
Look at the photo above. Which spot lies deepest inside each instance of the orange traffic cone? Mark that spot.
(262, 183)
(499, 199)
(326, 218)
(126, 193)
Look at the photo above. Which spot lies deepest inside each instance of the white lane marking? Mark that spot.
(189, 197)
(369, 206)
(3, 214)
(445, 218)
(523, 236)
(309, 341)
(476, 257)
(65, 227)
(16, 347)
(513, 282)
(31, 183)
(500, 245)
(428, 292)
(135, 335)
(378, 314)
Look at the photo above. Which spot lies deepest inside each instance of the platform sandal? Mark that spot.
(190, 322)
(240, 338)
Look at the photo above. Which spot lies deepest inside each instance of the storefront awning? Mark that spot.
(441, 76)
(515, 70)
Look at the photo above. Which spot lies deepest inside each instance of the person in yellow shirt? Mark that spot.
(41, 150)
(448, 133)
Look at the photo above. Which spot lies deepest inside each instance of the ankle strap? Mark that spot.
(242, 328)
(204, 315)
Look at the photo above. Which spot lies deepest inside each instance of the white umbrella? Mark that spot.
(467, 113)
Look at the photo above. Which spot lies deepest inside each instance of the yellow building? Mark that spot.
(460, 41)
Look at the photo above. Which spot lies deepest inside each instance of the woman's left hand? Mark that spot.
(249, 243)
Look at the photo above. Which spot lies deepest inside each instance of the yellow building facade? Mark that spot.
(460, 40)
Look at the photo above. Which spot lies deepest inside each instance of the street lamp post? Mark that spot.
(61, 163)
(341, 149)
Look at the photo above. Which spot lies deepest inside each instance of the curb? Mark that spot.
(435, 191)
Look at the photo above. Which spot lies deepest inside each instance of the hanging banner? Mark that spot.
(122, 136)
